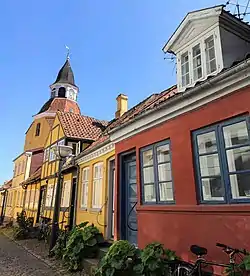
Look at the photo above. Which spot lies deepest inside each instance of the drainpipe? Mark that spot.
(76, 192)
(24, 196)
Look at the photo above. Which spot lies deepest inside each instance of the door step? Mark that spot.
(90, 265)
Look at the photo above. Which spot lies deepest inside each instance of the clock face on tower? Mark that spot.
(71, 94)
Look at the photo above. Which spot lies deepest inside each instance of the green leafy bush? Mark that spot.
(82, 243)
(239, 270)
(124, 259)
(154, 260)
(119, 260)
(24, 227)
(59, 249)
(151, 260)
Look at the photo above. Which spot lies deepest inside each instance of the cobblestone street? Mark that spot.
(16, 261)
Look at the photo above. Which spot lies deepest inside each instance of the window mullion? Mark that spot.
(156, 177)
(223, 163)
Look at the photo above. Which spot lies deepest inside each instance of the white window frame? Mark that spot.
(54, 194)
(97, 186)
(78, 146)
(207, 64)
(66, 191)
(49, 195)
(189, 49)
(52, 155)
(85, 187)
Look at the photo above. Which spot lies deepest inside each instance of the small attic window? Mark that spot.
(185, 69)
(38, 126)
(197, 61)
(210, 55)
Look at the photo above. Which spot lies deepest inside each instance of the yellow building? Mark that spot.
(16, 192)
(33, 195)
(63, 94)
(95, 196)
(74, 130)
(3, 199)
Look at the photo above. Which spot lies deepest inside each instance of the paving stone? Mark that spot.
(16, 261)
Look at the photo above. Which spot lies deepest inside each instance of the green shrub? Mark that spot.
(154, 260)
(60, 246)
(119, 260)
(239, 269)
(82, 243)
(124, 259)
(23, 229)
(151, 260)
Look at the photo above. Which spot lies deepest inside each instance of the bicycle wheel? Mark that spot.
(183, 270)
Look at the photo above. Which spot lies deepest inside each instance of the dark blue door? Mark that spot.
(130, 201)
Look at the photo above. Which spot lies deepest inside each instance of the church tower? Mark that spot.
(63, 97)
(64, 86)
(63, 92)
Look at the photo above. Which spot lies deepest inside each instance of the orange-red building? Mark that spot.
(183, 155)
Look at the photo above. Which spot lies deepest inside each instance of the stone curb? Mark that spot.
(48, 263)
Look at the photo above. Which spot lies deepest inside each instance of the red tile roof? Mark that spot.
(35, 177)
(102, 139)
(7, 184)
(80, 126)
(151, 102)
(62, 104)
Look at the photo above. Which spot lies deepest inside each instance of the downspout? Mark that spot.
(76, 193)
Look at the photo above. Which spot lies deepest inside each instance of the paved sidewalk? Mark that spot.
(16, 261)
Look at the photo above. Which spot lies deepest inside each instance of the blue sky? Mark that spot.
(115, 48)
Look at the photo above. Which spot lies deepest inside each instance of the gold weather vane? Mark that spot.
(67, 51)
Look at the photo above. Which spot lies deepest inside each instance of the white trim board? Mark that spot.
(97, 153)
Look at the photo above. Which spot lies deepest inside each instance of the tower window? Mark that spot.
(61, 92)
(38, 126)
(53, 93)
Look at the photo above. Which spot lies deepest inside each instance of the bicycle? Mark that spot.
(44, 229)
(189, 269)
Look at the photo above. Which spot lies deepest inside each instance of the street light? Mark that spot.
(61, 152)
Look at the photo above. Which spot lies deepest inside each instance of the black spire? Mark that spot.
(65, 74)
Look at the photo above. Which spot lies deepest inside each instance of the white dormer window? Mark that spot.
(185, 69)
(197, 63)
(210, 55)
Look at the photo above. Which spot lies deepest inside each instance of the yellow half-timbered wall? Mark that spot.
(93, 188)
(32, 200)
(50, 166)
(16, 193)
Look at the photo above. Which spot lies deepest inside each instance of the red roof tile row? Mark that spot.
(149, 103)
(80, 126)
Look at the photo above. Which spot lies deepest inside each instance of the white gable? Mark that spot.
(193, 26)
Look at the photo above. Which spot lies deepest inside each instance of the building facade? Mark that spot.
(182, 157)
(96, 185)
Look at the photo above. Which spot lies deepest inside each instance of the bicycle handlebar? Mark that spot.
(229, 248)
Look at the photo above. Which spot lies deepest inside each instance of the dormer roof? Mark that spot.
(197, 22)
